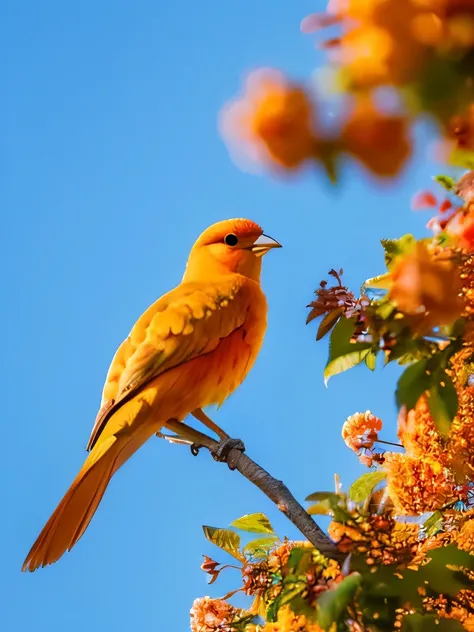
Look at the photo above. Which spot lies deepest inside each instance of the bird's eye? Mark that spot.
(231, 239)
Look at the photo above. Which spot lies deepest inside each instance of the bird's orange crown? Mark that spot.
(230, 246)
(243, 228)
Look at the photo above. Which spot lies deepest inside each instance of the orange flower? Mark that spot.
(417, 431)
(426, 289)
(460, 446)
(378, 44)
(417, 485)
(380, 538)
(380, 141)
(273, 121)
(458, 16)
(462, 227)
(211, 615)
(465, 537)
(279, 556)
(365, 53)
(467, 275)
(288, 621)
(391, 41)
(361, 430)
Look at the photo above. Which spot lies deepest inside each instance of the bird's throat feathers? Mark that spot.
(214, 260)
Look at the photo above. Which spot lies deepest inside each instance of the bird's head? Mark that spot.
(234, 245)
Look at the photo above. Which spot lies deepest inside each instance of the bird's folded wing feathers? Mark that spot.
(187, 322)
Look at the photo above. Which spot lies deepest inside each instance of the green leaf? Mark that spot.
(323, 496)
(295, 591)
(447, 182)
(259, 548)
(371, 359)
(385, 309)
(462, 158)
(320, 509)
(254, 523)
(443, 404)
(287, 595)
(433, 524)
(272, 611)
(408, 351)
(226, 540)
(300, 606)
(361, 489)
(332, 604)
(242, 624)
(328, 322)
(344, 354)
(413, 382)
(299, 560)
(395, 248)
(430, 622)
(379, 282)
(329, 503)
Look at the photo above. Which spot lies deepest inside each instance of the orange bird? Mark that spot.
(192, 348)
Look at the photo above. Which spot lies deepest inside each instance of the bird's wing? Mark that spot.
(187, 322)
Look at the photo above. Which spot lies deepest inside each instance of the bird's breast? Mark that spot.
(228, 365)
(211, 377)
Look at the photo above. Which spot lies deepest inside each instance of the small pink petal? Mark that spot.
(455, 225)
(259, 81)
(423, 200)
(434, 225)
(365, 459)
(330, 43)
(317, 21)
(337, 7)
(445, 206)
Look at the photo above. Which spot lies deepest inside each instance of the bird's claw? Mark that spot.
(195, 447)
(225, 447)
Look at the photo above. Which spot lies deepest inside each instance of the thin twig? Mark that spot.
(397, 445)
(275, 490)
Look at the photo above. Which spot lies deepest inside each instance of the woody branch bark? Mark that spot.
(276, 490)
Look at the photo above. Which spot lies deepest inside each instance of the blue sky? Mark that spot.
(113, 166)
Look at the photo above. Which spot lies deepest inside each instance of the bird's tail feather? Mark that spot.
(73, 514)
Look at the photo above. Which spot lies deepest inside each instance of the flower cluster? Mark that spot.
(454, 222)
(419, 51)
(274, 123)
(337, 298)
(392, 42)
(360, 432)
(417, 485)
(288, 621)
(435, 471)
(212, 615)
(380, 538)
(426, 287)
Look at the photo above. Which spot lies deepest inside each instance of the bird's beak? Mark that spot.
(263, 244)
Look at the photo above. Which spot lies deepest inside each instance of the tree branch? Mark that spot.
(276, 490)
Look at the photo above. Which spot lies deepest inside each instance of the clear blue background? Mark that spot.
(111, 165)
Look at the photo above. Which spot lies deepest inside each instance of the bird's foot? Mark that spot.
(225, 447)
(195, 447)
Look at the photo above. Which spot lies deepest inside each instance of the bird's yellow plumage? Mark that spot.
(193, 347)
